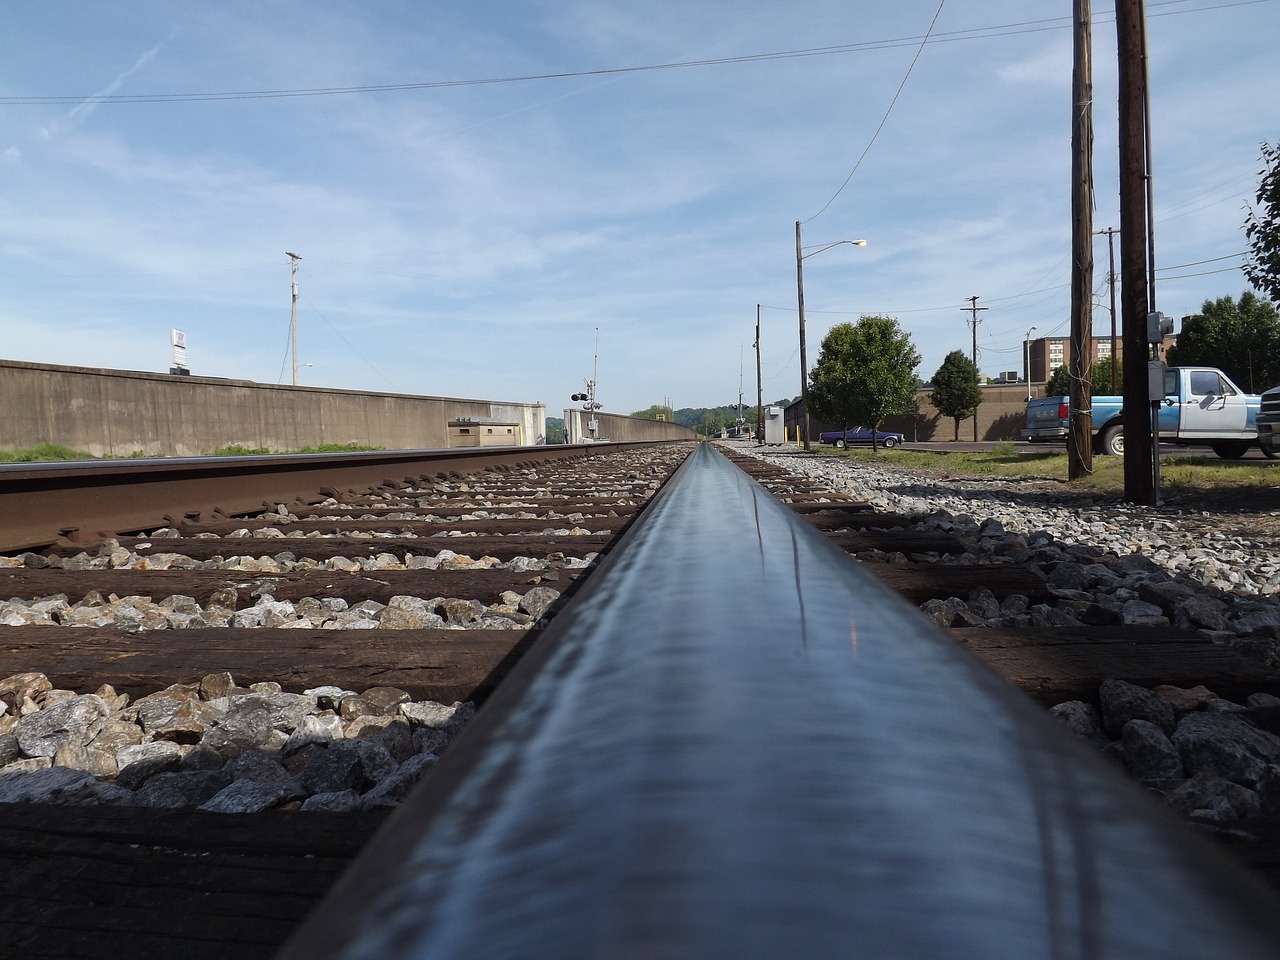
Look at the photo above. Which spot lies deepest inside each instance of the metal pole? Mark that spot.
(804, 357)
(759, 385)
(1027, 360)
(293, 311)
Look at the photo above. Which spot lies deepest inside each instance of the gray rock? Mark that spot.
(52, 785)
(1079, 717)
(247, 796)
(139, 763)
(255, 765)
(285, 710)
(1225, 745)
(1122, 702)
(538, 600)
(1204, 792)
(333, 771)
(180, 789)
(76, 721)
(92, 760)
(339, 801)
(395, 787)
(1148, 753)
(20, 686)
(175, 714)
(375, 702)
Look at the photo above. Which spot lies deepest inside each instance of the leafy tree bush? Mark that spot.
(1059, 384)
(1262, 227)
(865, 372)
(956, 390)
(657, 412)
(1102, 377)
(1241, 338)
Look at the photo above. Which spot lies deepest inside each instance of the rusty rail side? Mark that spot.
(736, 743)
(43, 503)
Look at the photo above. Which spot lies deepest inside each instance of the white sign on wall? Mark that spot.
(179, 340)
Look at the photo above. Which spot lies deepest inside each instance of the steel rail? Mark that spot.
(735, 743)
(43, 503)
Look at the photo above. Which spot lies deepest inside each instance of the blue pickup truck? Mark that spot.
(1201, 406)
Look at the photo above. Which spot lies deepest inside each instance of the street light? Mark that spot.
(1027, 359)
(801, 256)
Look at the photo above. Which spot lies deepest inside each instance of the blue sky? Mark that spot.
(467, 239)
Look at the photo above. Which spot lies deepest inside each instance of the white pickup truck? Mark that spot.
(1201, 405)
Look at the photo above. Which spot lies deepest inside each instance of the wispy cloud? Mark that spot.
(81, 111)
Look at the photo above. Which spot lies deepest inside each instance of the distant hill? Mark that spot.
(714, 419)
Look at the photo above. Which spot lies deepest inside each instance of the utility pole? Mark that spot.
(293, 311)
(1080, 422)
(973, 309)
(1110, 234)
(1139, 445)
(759, 385)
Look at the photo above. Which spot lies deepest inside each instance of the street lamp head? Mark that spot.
(858, 243)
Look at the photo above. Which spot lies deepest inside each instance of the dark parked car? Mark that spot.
(859, 435)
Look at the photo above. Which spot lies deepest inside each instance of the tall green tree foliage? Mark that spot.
(1241, 338)
(1059, 383)
(864, 373)
(1262, 227)
(956, 390)
(1102, 378)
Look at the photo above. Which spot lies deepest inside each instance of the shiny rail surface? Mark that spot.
(43, 503)
(735, 743)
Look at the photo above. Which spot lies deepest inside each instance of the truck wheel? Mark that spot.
(1231, 451)
(889, 443)
(1268, 450)
(1113, 441)
(841, 444)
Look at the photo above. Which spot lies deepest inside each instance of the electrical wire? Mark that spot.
(977, 33)
(885, 119)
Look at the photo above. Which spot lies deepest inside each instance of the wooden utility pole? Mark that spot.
(973, 309)
(1139, 447)
(1080, 423)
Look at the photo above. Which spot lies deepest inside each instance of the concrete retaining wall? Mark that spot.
(613, 426)
(117, 413)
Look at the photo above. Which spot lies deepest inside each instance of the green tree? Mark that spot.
(1102, 378)
(865, 372)
(956, 391)
(1262, 227)
(657, 412)
(1059, 384)
(1241, 338)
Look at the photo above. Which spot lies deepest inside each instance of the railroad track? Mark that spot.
(513, 531)
(488, 545)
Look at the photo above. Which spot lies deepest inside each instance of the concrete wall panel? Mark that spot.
(117, 413)
(614, 426)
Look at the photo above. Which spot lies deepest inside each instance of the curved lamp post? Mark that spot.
(801, 256)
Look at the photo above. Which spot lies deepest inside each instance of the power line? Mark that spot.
(976, 33)
(885, 119)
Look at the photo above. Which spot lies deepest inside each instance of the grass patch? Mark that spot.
(1177, 472)
(43, 453)
(238, 450)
